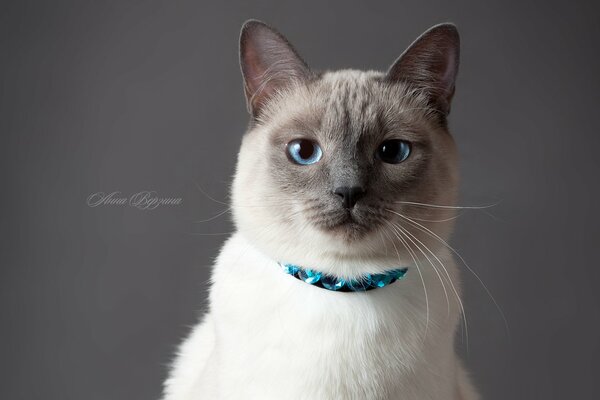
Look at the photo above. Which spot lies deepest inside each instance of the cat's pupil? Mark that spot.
(393, 151)
(390, 149)
(306, 149)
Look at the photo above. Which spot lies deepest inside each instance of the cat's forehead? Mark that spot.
(349, 83)
(350, 102)
(356, 103)
(346, 106)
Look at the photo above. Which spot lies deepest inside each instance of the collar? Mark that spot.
(337, 284)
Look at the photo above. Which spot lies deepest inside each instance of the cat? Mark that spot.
(345, 180)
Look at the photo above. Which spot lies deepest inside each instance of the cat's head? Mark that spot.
(333, 163)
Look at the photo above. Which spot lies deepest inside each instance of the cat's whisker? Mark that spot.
(458, 299)
(263, 205)
(437, 220)
(410, 252)
(413, 203)
(279, 200)
(461, 306)
(437, 273)
(209, 196)
(211, 233)
(401, 231)
(447, 245)
(214, 216)
(383, 242)
(254, 229)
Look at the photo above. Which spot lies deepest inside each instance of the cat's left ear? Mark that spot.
(269, 63)
(431, 63)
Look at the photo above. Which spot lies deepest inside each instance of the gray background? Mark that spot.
(130, 96)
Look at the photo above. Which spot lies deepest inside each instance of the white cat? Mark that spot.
(343, 179)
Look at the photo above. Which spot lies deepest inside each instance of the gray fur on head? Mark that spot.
(349, 113)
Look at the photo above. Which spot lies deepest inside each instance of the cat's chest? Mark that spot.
(321, 356)
(328, 358)
(283, 334)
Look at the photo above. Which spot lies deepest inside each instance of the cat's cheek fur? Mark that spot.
(274, 337)
(274, 223)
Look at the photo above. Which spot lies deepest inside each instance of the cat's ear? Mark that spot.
(269, 63)
(431, 63)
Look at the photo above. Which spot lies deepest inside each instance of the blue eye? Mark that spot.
(304, 151)
(393, 151)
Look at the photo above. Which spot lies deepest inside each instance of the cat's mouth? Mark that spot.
(349, 224)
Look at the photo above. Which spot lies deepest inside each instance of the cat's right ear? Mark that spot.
(431, 63)
(269, 63)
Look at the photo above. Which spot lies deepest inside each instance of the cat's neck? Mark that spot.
(425, 274)
(255, 299)
(340, 264)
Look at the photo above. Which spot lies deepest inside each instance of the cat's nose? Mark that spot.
(349, 195)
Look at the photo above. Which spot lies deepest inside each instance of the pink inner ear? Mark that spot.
(257, 91)
(449, 75)
(432, 63)
(268, 62)
(253, 69)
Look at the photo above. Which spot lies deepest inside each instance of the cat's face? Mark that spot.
(332, 162)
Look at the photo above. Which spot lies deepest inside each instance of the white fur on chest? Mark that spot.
(276, 337)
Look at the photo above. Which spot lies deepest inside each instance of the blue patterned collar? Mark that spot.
(336, 284)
